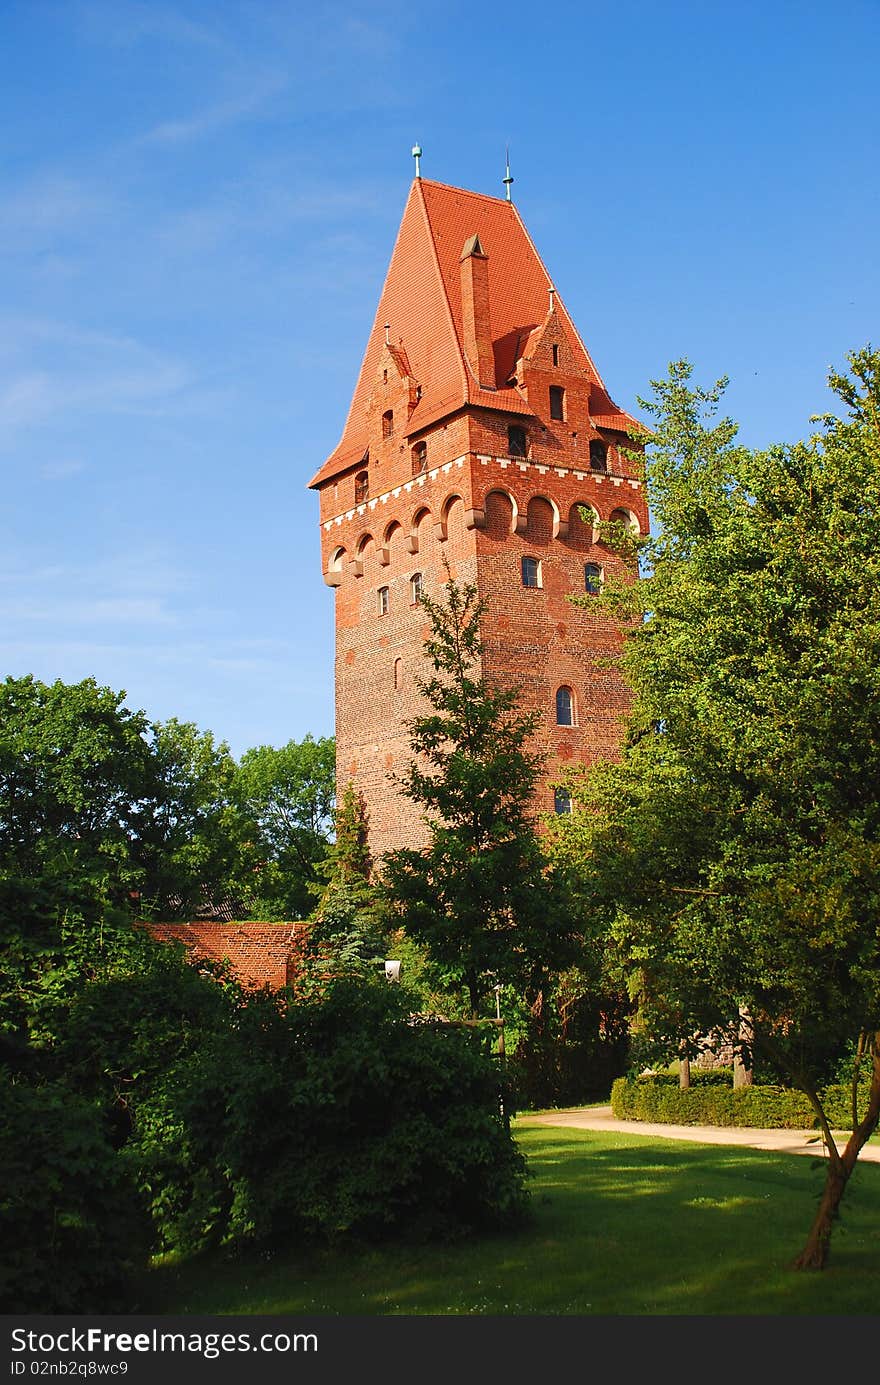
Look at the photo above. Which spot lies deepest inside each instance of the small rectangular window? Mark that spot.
(592, 578)
(557, 402)
(531, 572)
(383, 601)
(555, 354)
(561, 801)
(516, 441)
(415, 588)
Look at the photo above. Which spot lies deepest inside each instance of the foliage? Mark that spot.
(288, 793)
(569, 1053)
(481, 896)
(349, 931)
(71, 1228)
(74, 771)
(314, 1120)
(195, 844)
(734, 852)
(712, 1102)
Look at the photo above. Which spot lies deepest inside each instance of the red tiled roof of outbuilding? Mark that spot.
(421, 302)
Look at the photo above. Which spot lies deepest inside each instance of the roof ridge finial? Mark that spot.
(552, 299)
(387, 330)
(417, 154)
(507, 180)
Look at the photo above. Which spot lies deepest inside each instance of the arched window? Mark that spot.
(420, 458)
(592, 579)
(598, 456)
(388, 423)
(531, 572)
(516, 441)
(564, 707)
(561, 801)
(361, 487)
(383, 601)
(415, 588)
(398, 674)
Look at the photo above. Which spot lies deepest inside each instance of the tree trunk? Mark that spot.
(684, 1072)
(814, 1255)
(742, 1073)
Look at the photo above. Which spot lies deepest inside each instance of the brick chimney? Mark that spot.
(475, 312)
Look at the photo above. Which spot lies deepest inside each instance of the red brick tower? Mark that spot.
(479, 426)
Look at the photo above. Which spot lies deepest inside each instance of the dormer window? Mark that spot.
(420, 459)
(557, 402)
(598, 456)
(361, 487)
(388, 423)
(516, 441)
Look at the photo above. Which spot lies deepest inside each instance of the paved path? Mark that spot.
(786, 1141)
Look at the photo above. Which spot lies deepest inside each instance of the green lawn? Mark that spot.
(620, 1224)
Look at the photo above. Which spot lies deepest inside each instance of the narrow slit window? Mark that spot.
(555, 354)
(398, 674)
(388, 423)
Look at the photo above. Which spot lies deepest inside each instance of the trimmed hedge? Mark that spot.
(660, 1099)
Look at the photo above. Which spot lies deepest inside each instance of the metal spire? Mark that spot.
(507, 180)
(417, 154)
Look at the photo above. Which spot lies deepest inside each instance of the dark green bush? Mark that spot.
(328, 1117)
(708, 1102)
(70, 1223)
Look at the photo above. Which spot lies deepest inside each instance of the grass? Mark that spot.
(620, 1224)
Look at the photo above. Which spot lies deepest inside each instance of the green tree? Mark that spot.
(74, 775)
(480, 896)
(195, 844)
(349, 926)
(734, 851)
(289, 794)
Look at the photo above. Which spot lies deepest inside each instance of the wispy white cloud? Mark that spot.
(57, 368)
(128, 22)
(218, 116)
(48, 206)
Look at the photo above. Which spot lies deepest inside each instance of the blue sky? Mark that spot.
(197, 206)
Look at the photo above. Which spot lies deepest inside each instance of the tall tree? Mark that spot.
(734, 851)
(480, 895)
(289, 794)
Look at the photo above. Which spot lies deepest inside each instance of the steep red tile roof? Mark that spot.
(258, 954)
(421, 302)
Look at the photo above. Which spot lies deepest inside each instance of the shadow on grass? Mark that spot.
(620, 1224)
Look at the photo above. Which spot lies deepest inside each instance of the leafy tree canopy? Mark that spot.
(734, 851)
(289, 793)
